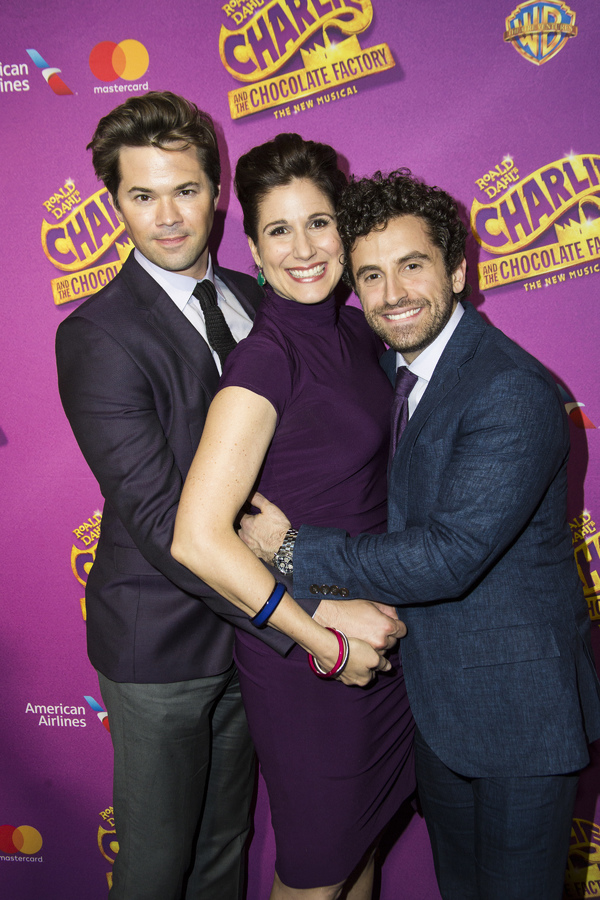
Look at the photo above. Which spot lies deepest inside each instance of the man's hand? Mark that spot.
(375, 623)
(391, 611)
(264, 532)
(362, 619)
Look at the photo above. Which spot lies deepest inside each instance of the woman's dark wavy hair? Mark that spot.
(276, 164)
(368, 204)
(156, 119)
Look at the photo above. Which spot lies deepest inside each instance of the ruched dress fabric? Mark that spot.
(337, 760)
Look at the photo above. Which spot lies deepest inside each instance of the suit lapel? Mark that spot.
(459, 349)
(163, 315)
(228, 278)
(388, 364)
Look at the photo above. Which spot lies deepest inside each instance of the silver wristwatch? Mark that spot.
(283, 560)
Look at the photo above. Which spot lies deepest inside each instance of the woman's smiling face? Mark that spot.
(299, 248)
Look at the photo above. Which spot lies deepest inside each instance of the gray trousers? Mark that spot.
(183, 780)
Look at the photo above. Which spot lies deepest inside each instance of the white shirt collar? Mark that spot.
(424, 365)
(178, 287)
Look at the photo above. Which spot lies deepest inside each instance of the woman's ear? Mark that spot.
(254, 252)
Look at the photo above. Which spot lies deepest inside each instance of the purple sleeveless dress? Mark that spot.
(337, 760)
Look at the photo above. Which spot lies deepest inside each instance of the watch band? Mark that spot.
(283, 560)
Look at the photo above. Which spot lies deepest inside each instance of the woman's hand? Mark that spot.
(363, 662)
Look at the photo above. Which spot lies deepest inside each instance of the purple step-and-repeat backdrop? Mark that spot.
(495, 102)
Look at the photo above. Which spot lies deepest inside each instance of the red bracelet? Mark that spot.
(341, 660)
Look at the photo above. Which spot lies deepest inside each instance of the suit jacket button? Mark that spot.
(324, 588)
(343, 592)
(334, 590)
(314, 589)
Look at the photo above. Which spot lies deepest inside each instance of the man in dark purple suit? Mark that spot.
(136, 377)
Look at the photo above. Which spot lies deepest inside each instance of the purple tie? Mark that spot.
(405, 382)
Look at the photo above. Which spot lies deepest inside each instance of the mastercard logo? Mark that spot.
(23, 839)
(128, 60)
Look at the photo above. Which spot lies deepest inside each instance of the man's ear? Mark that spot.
(216, 198)
(459, 277)
(254, 252)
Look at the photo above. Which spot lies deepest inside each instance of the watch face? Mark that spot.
(283, 563)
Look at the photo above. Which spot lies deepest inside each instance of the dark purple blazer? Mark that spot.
(136, 380)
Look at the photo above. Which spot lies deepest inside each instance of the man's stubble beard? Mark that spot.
(408, 343)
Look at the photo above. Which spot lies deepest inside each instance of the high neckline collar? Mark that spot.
(308, 316)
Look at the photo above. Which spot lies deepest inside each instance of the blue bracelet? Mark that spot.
(261, 617)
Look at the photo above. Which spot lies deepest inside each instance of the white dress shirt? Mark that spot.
(180, 289)
(424, 365)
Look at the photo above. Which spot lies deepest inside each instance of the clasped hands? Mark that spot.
(375, 623)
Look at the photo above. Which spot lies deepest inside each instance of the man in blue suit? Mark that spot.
(478, 559)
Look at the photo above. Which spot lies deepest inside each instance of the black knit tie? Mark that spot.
(218, 333)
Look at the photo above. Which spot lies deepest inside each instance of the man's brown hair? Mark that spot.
(156, 119)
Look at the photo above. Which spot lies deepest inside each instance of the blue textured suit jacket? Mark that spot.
(136, 380)
(497, 660)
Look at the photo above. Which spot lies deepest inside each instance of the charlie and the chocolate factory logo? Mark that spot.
(262, 37)
(84, 240)
(543, 227)
(582, 878)
(586, 547)
(83, 552)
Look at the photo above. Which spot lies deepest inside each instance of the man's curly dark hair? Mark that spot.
(368, 204)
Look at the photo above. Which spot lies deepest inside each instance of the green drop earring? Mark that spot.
(261, 278)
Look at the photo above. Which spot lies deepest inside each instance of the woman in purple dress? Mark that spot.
(303, 410)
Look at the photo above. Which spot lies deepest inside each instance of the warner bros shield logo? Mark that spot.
(538, 31)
